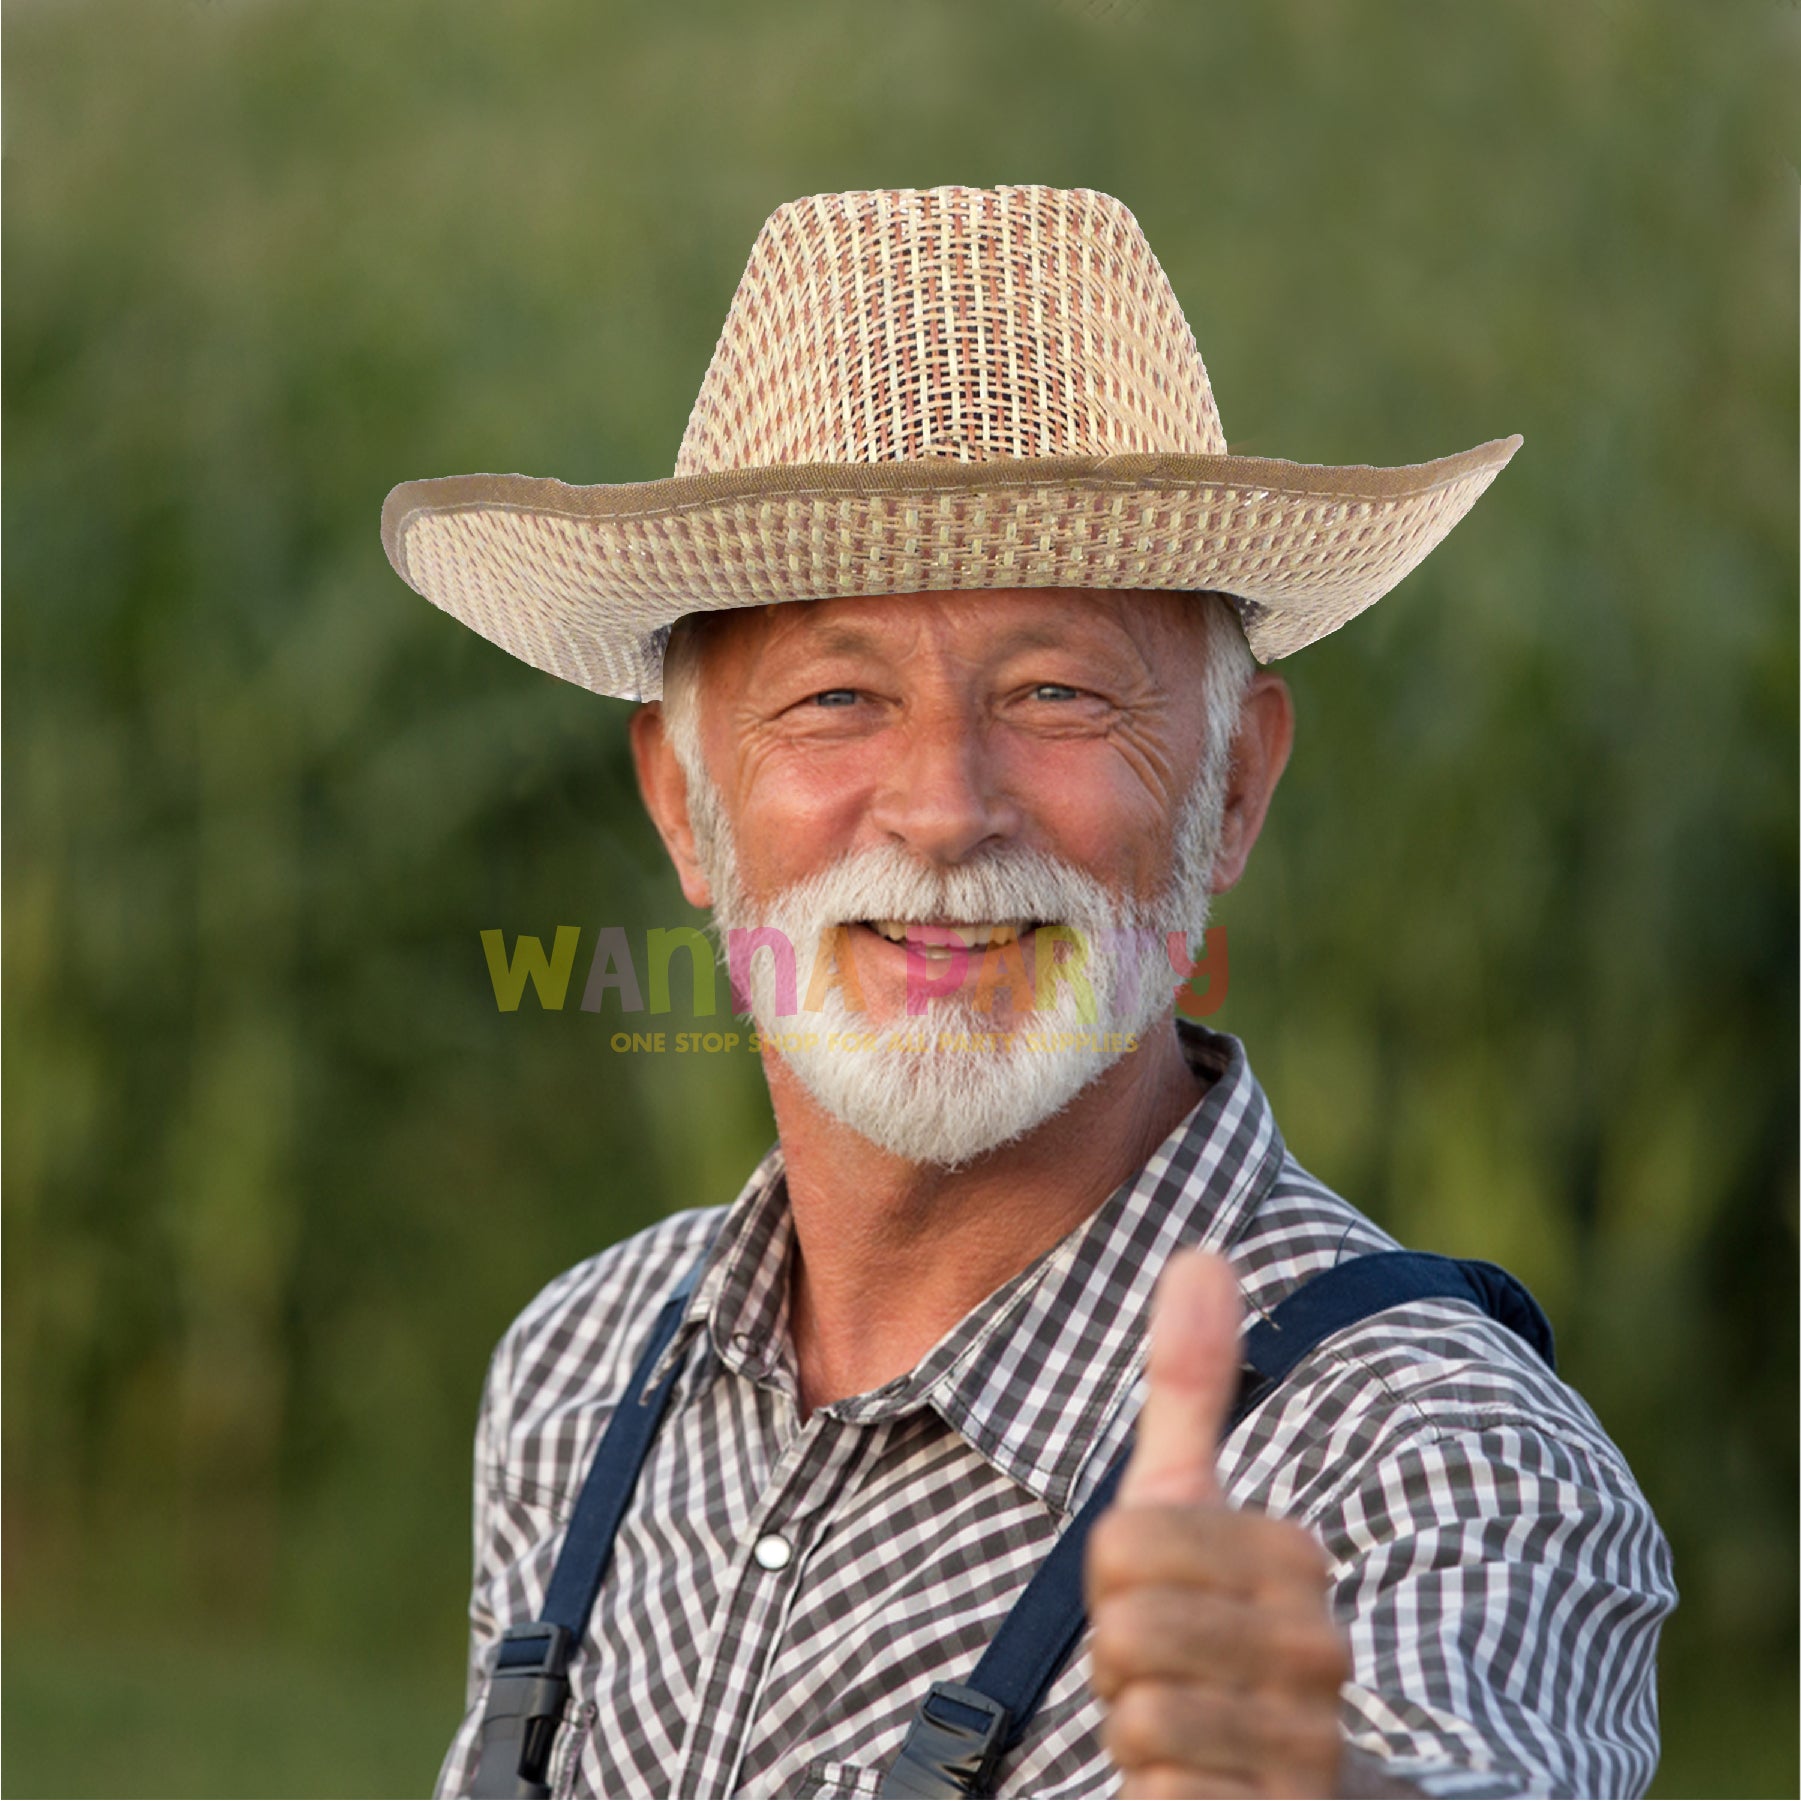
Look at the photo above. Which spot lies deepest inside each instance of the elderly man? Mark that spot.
(894, 1477)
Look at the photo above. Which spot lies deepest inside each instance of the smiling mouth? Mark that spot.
(939, 939)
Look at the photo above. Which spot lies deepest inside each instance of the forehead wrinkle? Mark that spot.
(1009, 626)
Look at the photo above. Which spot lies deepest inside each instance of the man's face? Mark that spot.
(907, 776)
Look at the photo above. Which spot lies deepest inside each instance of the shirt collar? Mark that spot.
(1038, 1376)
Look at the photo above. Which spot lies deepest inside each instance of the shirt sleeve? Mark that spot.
(1503, 1589)
(458, 1771)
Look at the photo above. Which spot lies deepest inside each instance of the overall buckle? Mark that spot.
(952, 1747)
(526, 1697)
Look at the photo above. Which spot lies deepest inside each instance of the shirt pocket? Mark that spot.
(827, 1781)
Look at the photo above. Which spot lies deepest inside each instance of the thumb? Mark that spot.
(1192, 1378)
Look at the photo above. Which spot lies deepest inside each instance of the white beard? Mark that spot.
(946, 1084)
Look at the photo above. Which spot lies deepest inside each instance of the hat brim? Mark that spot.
(584, 581)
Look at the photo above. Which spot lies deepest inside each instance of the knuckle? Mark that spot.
(1309, 1652)
(1165, 1782)
(1172, 1632)
(1111, 1550)
(1143, 1545)
(1116, 1638)
(1110, 1647)
(1142, 1725)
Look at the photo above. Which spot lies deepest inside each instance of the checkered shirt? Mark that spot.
(1500, 1575)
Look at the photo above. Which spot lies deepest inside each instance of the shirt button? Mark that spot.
(772, 1551)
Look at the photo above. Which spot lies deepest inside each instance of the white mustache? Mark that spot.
(1001, 885)
(946, 1109)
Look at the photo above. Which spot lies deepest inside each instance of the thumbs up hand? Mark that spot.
(1215, 1651)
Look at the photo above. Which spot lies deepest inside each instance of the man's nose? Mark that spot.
(941, 794)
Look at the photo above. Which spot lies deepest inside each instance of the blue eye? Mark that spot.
(836, 697)
(1053, 691)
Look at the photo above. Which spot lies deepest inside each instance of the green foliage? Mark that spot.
(1516, 958)
(225, 1722)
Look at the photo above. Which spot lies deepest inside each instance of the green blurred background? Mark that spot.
(1516, 959)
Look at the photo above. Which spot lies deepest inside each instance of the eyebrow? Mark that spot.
(841, 640)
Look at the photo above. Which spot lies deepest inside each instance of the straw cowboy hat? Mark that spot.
(948, 388)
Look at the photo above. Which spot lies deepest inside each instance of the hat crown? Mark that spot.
(958, 324)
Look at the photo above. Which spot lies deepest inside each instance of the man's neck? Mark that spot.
(890, 1255)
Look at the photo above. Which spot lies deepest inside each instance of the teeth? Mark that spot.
(977, 937)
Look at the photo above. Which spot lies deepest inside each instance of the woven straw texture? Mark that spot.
(954, 388)
(889, 328)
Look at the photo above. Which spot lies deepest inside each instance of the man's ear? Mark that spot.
(1260, 750)
(665, 791)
